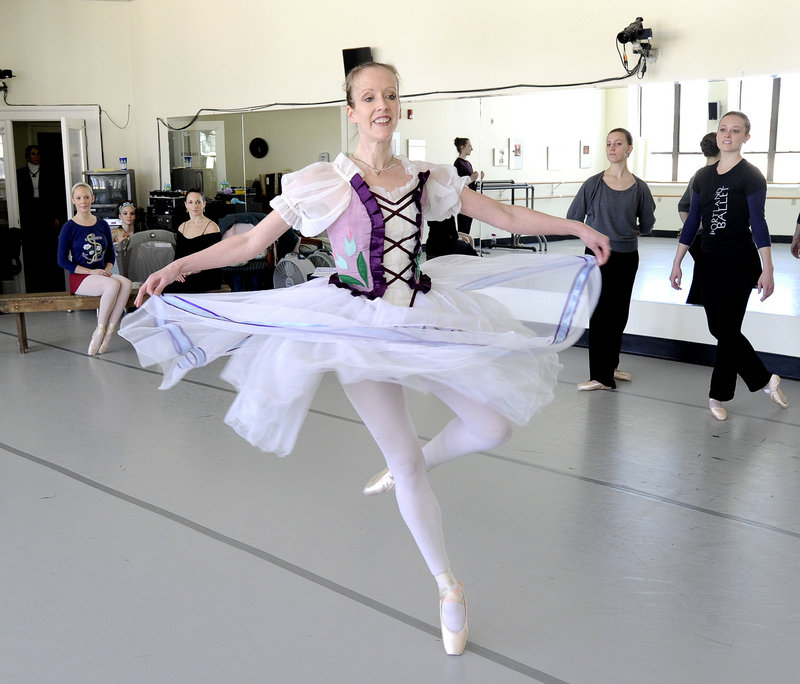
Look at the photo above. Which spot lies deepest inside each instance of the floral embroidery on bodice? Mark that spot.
(377, 240)
(375, 235)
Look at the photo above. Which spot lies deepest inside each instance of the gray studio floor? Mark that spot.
(622, 537)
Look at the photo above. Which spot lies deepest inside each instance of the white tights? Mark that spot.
(113, 291)
(382, 407)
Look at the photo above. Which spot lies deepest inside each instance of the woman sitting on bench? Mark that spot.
(86, 250)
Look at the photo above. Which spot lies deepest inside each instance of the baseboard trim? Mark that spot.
(696, 353)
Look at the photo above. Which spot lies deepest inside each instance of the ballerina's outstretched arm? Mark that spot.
(524, 221)
(234, 250)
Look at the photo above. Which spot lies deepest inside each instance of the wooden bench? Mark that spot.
(20, 304)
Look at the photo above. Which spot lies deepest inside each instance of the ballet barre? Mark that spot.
(526, 191)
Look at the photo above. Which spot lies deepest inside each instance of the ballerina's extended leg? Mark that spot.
(475, 428)
(382, 407)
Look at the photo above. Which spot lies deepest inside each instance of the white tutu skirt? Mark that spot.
(488, 329)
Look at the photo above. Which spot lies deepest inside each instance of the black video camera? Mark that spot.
(634, 32)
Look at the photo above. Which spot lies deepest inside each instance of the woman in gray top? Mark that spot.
(619, 205)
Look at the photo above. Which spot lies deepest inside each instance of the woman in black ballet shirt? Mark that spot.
(193, 236)
(728, 197)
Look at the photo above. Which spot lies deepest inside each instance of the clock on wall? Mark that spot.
(259, 148)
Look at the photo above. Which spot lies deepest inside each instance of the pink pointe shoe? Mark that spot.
(107, 338)
(624, 376)
(97, 339)
(717, 409)
(380, 483)
(454, 642)
(591, 386)
(774, 392)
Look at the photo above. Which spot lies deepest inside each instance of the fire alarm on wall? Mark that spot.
(410, 113)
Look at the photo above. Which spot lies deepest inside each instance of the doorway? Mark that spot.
(41, 186)
(69, 142)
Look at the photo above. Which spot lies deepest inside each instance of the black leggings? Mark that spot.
(611, 315)
(727, 282)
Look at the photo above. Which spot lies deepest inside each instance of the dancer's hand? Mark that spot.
(675, 277)
(156, 282)
(598, 243)
(766, 283)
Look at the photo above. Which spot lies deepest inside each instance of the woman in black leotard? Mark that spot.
(194, 236)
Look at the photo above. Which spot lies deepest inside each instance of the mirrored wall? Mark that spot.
(553, 139)
(543, 136)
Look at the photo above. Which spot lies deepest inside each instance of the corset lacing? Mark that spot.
(408, 244)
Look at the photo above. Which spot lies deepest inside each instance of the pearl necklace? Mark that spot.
(377, 172)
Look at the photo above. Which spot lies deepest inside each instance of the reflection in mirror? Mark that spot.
(299, 136)
(559, 134)
(194, 161)
(296, 138)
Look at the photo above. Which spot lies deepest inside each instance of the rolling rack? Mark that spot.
(516, 242)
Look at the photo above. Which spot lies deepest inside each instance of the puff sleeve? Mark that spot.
(313, 198)
(442, 197)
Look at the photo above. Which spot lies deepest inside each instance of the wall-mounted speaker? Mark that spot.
(352, 57)
(714, 110)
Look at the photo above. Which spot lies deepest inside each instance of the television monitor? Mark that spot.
(109, 189)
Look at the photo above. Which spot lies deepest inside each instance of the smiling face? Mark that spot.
(195, 203)
(732, 133)
(376, 103)
(617, 147)
(82, 198)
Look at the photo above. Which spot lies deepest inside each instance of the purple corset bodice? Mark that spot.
(376, 244)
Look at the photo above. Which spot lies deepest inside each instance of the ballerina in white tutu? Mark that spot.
(380, 322)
